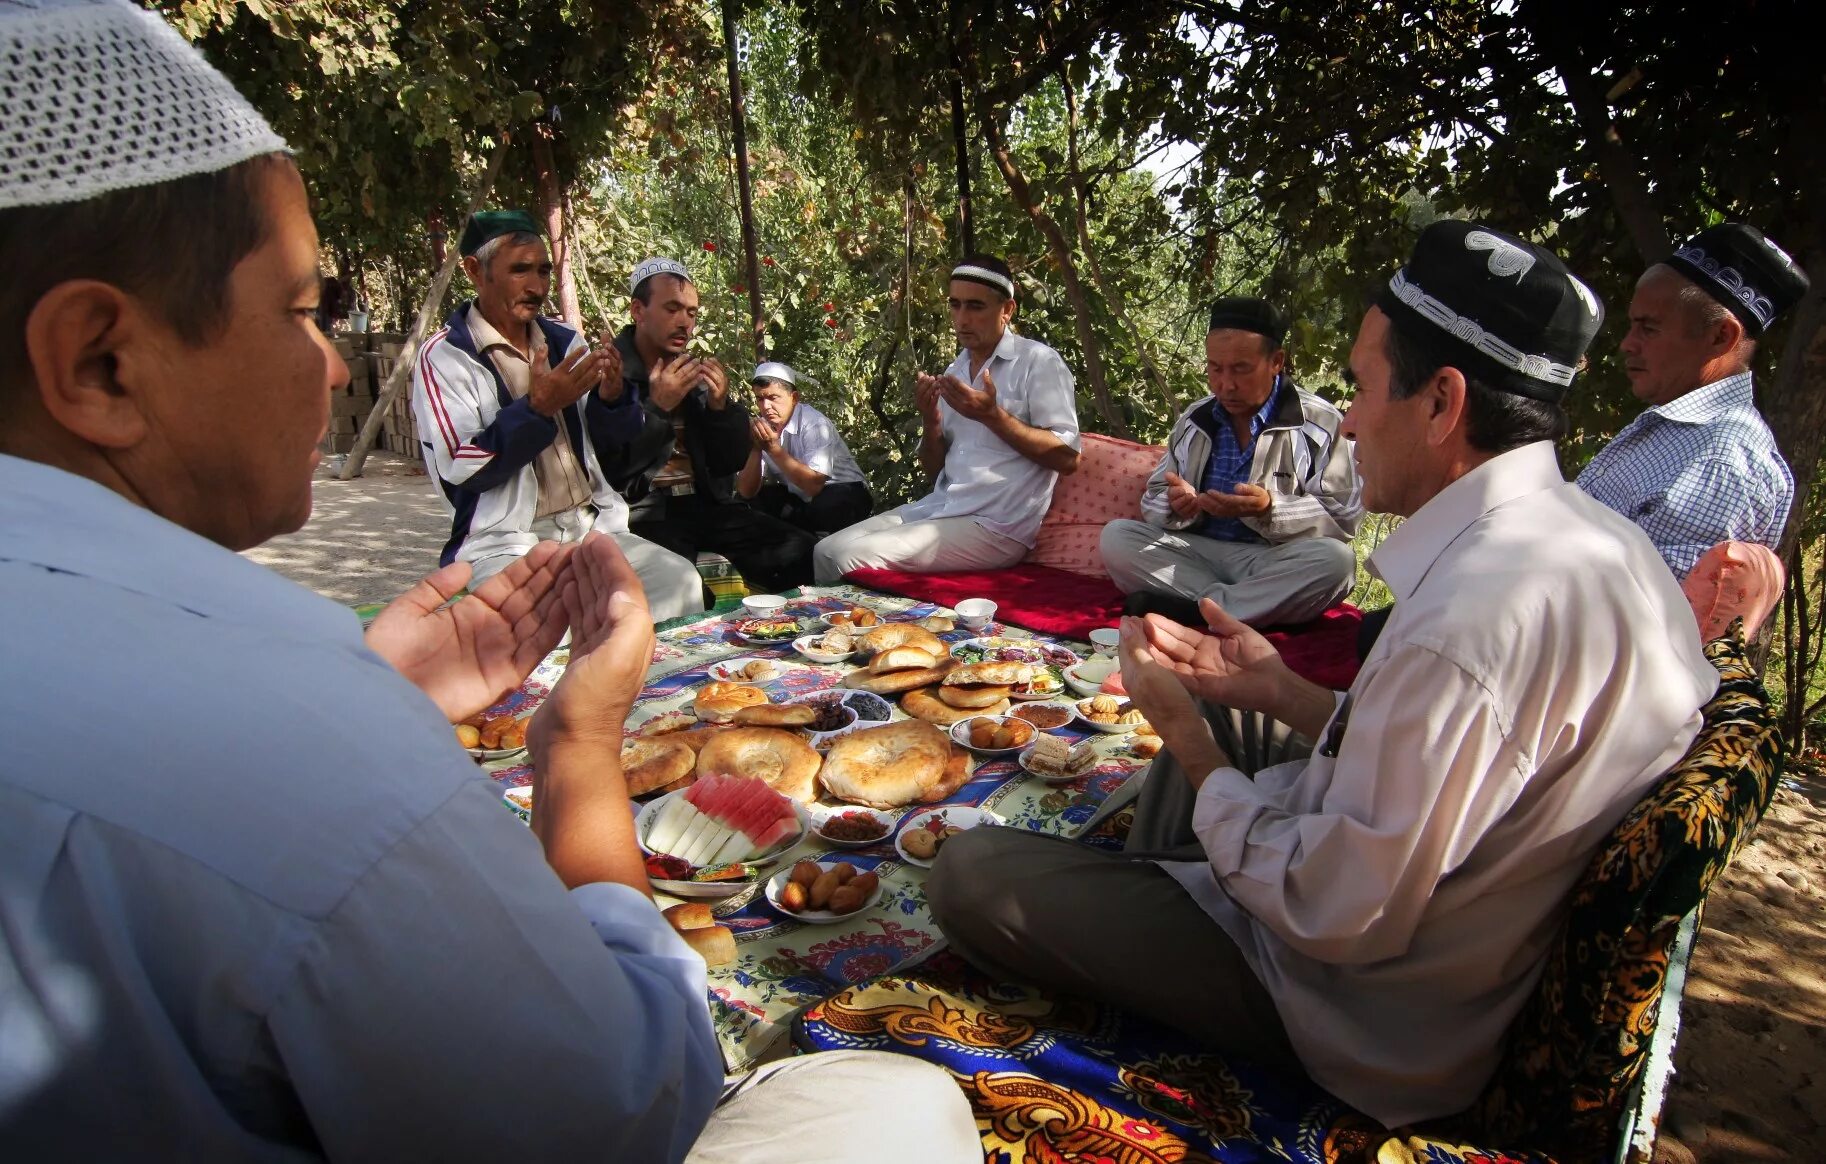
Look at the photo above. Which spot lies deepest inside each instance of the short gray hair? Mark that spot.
(486, 252)
(1702, 311)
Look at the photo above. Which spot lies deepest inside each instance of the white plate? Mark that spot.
(963, 816)
(1081, 685)
(1051, 777)
(710, 889)
(1051, 656)
(960, 735)
(1108, 728)
(782, 641)
(880, 620)
(1028, 696)
(821, 813)
(520, 802)
(818, 917)
(728, 671)
(488, 755)
(803, 645)
(1065, 705)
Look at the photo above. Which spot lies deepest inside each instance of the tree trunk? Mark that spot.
(1794, 404)
(435, 231)
(402, 370)
(738, 122)
(1112, 294)
(1068, 273)
(960, 138)
(551, 206)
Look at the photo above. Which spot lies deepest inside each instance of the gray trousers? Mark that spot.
(929, 546)
(1259, 584)
(1116, 927)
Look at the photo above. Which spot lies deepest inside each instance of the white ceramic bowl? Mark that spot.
(823, 814)
(1106, 639)
(1064, 705)
(960, 733)
(806, 645)
(712, 889)
(1109, 728)
(976, 613)
(763, 605)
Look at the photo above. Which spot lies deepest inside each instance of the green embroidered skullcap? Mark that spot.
(486, 224)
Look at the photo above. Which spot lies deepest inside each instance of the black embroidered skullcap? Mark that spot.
(1239, 313)
(987, 270)
(1737, 266)
(1510, 311)
(486, 224)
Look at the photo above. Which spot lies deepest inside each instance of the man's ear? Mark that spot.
(1725, 335)
(473, 269)
(93, 353)
(637, 311)
(1445, 404)
(1277, 359)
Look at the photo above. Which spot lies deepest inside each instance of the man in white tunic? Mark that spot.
(997, 429)
(255, 903)
(1375, 911)
(800, 469)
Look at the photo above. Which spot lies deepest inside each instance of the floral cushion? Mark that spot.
(1109, 482)
(1062, 1081)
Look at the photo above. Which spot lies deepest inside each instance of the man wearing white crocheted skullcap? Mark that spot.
(287, 935)
(998, 427)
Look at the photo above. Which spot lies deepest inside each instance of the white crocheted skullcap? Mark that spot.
(658, 265)
(100, 95)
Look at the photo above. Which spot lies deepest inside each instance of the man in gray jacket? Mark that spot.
(1256, 500)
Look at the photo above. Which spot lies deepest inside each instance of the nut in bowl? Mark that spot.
(852, 827)
(993, 734)
(821, 892)
(1106, 713)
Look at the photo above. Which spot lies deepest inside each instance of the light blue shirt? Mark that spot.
(281, 914)
(812, 440)
(1701, 469)
(984, 478)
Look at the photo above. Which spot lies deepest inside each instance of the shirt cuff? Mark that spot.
(1227, 784)
(1070, 436)
(627, 920)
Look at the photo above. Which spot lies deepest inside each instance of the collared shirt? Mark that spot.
(1229, 466)
(1701, 469)
(301, 923)
(563, 485)
(984, 478)
(813, 441)
(1398, 895)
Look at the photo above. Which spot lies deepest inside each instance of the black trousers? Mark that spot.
(770, 554)
(836, 506)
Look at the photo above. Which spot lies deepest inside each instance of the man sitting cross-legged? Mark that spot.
(997, 430)
(1375, 911)
(1255, 502)
(800, 469)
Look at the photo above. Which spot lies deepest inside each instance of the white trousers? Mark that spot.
(1259, 584)
(841, 1107)
(672, 583)
(889, 541)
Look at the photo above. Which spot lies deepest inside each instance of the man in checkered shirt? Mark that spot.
(1700, 466)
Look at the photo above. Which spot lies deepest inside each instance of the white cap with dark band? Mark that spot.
(985, 276)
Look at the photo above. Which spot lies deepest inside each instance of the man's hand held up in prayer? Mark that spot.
(555, 389)
(1248, 501)
(668, 383)
(1182, 498)
(1234, 666)
(980, 404)
(467, 654)
(716, 382)
(581, 813)
(926, 396)
(766, 436)
(973, 403)
(611, 387)
(1170, 710)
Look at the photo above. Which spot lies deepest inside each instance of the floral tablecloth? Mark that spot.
(784, 966)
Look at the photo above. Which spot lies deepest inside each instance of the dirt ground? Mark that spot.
(1752, 1051)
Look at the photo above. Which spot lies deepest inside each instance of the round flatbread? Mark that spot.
(974, 698)
(650, 763)
(887, 766)
(895, 682)
(901, 634)
(786, 762)
(924, 703)
(717, 702)
(997, 674)
(901, 659)
(777, 715)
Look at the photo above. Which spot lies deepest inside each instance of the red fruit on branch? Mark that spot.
(830, 323)
(711, 247)
(767, 261)
(830, 307)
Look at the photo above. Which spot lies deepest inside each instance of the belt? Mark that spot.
(684, 489)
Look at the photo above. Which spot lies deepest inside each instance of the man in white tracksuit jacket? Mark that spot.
(505, 428)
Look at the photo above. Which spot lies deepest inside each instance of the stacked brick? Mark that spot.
(371, 357)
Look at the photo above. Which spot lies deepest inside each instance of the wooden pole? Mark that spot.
(402, 370)
(738, 123)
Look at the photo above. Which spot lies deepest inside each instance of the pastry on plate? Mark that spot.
(785, 761)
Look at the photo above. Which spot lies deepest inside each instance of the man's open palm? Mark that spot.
(1233, 665)
(467, 654)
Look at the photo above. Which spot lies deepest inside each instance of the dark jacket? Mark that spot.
(718, 443)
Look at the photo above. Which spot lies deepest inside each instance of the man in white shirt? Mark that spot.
(1376, 911)
(510, 431)
(997, 429)
(800, 469)
(1700, 466)
(258, 904)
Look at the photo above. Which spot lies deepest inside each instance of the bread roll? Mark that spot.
(777, 715)
(938, 623)
(717, 702)
(652, 762)
(900, 659)
(668, 721)
(782, 758)
(714, 944)
(901, 634)
(974, 698)
(887, 766)
(993, 673)
(690, 915)
(954, 777)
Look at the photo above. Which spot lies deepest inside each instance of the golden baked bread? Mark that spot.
(717, 702)
(668, 721)
(887, 766)
(689, 915)
(1145, 745)
(714, 944)
(901, 634)
(777, 715)
(996, 673)
(956, 775)
(697, 737)
(895, 682)
(900, 659)
(782, 758)
(938, 623)
(652, 762)
(973, 698)
(924, 703)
